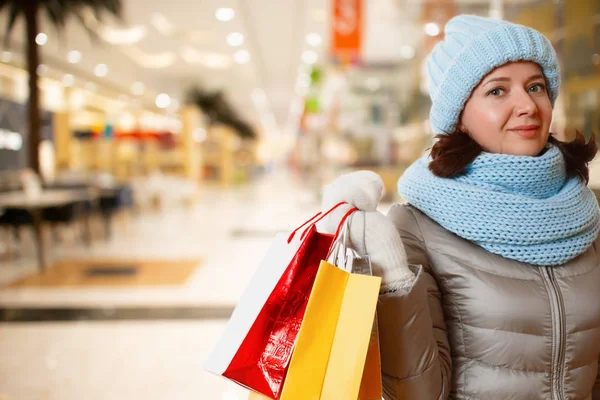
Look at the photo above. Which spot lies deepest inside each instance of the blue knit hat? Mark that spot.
(473, 46)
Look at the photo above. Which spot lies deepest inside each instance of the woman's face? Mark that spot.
(509, 112)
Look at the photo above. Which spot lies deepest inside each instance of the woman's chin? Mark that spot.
(526, 149)
(520, 146)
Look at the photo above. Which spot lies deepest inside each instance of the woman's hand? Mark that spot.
(370, 232)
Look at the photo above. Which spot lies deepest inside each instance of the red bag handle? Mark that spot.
(301, 226)
(320, 216)
(324, 215)
(337, 232)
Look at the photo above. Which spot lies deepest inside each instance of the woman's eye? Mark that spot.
(495, 92)
(537, 88)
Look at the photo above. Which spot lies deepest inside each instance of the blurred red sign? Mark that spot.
(346, 29)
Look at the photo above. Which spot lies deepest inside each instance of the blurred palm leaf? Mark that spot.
(58, 12)
(218, 110)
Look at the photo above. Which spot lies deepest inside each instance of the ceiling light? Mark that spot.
(41, 70)
(225, 14)
(241, 57)
(314, 39)
(150, 60)
(235, 39)
(432, 29)
(138, 89)
(309, 57)
(122, 36)
(211, 60)
(41, 38)
(215, 61)
(163, 100)
(6, 56)
(194, 35)
(90, 86)
(68, 80)
(101, 70)
(73, 57)
(162, 24)
(407, 52)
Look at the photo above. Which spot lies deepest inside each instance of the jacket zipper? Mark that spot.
(558, 333)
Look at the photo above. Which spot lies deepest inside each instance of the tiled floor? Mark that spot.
(146, 359)
(110, 361)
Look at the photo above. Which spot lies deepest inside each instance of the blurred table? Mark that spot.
(35, 205)
(46, 198)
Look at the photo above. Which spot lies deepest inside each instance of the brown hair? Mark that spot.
(453, 152)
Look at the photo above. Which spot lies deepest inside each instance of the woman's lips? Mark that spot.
(526, 131)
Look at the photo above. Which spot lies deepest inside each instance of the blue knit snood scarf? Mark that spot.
(522, 208)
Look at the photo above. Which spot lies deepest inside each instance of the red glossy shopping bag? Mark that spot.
(261, 360)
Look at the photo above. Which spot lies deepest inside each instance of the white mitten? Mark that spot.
(371, 232)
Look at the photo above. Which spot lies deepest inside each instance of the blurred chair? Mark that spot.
(112, 201)
(80, 211)
(13, 220)
(67, 215)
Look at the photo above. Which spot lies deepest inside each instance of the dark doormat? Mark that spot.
(18, 314)
(111, 270)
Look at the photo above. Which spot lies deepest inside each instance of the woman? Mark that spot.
(502, 299)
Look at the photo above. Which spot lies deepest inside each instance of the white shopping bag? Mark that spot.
(261, 285)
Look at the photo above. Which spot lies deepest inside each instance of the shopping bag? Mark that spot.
(329, 358)
(371, 385)
(370, 381)
(257, 345)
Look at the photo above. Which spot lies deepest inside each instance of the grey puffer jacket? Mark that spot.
(475, 325)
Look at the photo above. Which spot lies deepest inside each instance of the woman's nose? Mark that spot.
(524, 104)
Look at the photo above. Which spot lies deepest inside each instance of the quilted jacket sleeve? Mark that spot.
(415, 355)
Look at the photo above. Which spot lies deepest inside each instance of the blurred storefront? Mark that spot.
(88, 129)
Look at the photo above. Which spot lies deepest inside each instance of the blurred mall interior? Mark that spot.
(176, 138)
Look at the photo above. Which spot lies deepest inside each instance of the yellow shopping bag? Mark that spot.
(371, 387)
(331, 349)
